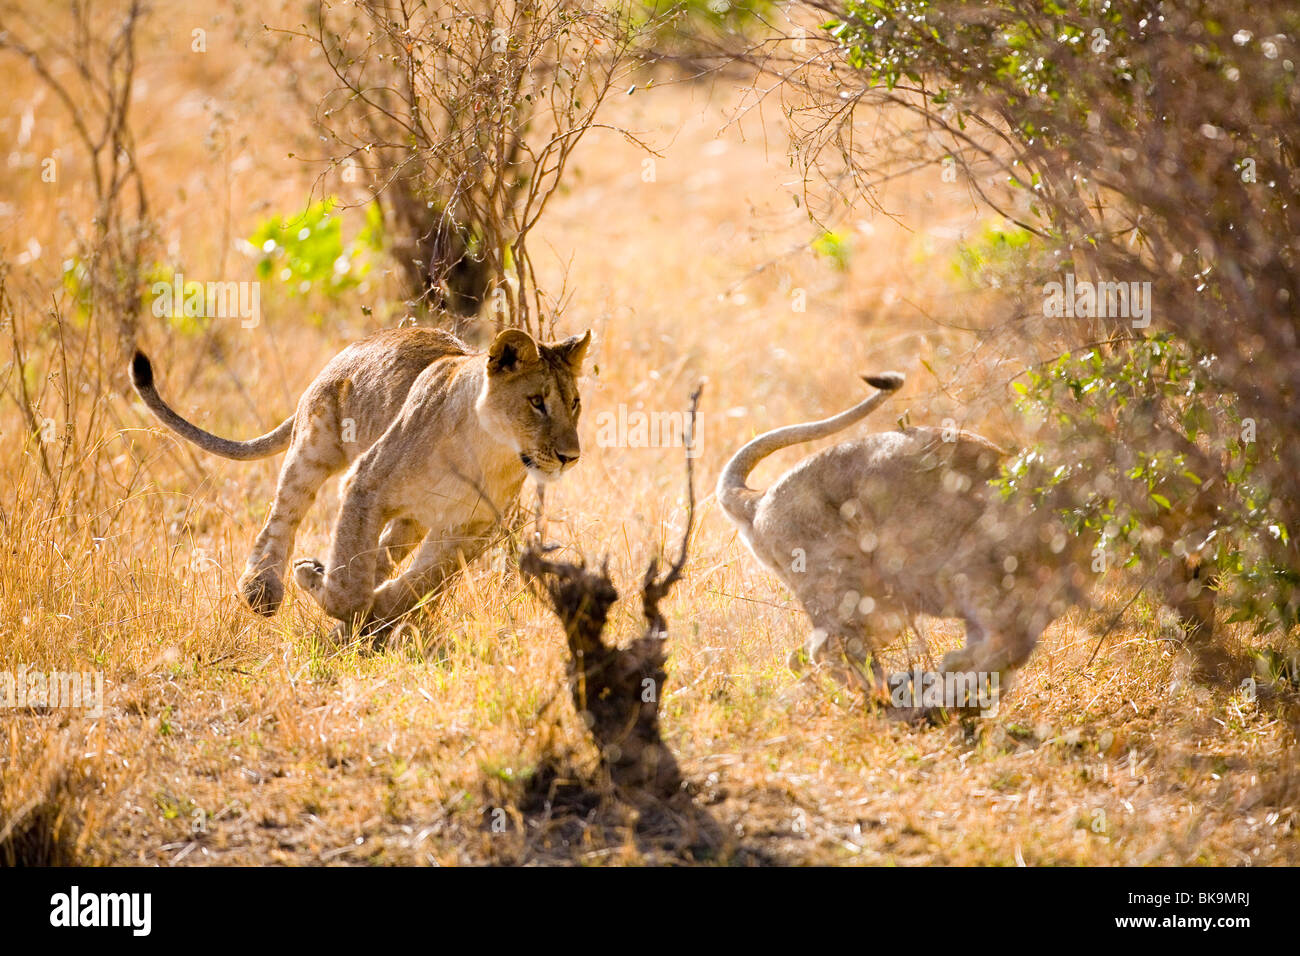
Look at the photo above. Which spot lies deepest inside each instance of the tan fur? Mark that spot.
(438, 440)
(873, 531)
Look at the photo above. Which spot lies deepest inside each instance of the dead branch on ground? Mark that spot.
(616, 691)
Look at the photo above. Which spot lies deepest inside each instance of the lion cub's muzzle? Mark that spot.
(548, 467)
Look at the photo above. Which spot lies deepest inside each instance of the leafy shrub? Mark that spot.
(996, 256)
(1138, 449)
(686, 18)
(835, 247)
(307, 253)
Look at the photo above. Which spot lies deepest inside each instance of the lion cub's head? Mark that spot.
(530, 399)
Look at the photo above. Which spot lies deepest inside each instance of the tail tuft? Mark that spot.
(141, 371)
(885, 381)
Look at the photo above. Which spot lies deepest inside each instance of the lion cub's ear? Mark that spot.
(511, 350)
(573, 350)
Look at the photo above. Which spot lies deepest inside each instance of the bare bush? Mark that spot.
(465, 115)
(91, 71)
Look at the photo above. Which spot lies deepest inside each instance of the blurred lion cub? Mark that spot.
(875, 530)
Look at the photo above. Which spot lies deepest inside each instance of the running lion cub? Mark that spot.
(438, 439)
(873, 531)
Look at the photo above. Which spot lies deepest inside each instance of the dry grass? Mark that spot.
(231, 739)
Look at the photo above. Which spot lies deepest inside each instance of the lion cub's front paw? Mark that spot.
(309, 575)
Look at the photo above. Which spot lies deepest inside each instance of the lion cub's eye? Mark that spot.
(538, 403)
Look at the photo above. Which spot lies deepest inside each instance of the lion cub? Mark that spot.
(873, 531)
(438, 440)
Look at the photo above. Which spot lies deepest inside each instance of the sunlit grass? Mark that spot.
(232, 739)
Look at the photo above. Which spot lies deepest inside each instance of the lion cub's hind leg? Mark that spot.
(991, 662)
(400, 538)
(966, 657)
(309, 574)
(313, 456)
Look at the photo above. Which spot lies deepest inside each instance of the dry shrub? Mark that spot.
(88, 62)
(463, 116)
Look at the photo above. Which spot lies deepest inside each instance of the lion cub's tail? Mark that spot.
(739, 501)
(264, 446)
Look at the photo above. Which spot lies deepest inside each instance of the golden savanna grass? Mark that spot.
(230, 739)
